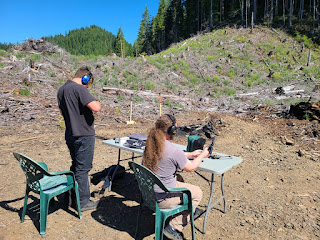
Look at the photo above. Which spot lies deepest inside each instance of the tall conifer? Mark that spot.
(143, 40)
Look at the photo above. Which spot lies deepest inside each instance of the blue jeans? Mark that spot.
(81, 151)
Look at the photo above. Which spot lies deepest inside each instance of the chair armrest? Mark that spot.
(70, 176)
(185, 191)
(61, 173)
(43, 165)
(182, 189)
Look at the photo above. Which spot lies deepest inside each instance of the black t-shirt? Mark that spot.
(72, 100)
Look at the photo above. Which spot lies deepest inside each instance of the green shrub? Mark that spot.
(226, 82)
(216, 79)
(168, 103)
(138, 98)
(120, 97)
(20, 55)
(219, 69)
(117, 111)
(62, 124)
(104, 81)
(154, 62)
(268, 102)
(1, 64)
(170, 85)
(229, 91)
(240, 39)
(2, 52)
(232, 73)
(175, 66)
(194, 79)
(24, 92)
(276, 76)
(35, 57)
(210, 58)
(178, 105)
(149, 85)
(306, 41)
(51, 73)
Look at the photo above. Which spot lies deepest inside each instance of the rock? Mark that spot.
(300, 153)
(289, 142)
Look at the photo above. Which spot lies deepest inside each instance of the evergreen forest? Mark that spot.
(93, 40)
(177, 20)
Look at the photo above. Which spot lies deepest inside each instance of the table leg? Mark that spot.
(115, 171)
(209, 203)
(224, 198)
(216, 202)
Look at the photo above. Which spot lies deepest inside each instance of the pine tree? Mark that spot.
(120, 44)
(143, 40)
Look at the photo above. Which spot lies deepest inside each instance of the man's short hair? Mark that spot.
(83, 71)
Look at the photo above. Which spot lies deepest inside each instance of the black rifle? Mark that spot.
(210, 148)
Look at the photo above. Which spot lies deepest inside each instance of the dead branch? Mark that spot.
(27, 139)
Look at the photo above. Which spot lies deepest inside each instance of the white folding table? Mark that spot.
(213, 166)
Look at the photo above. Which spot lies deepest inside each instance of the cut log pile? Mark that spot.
(306, 110)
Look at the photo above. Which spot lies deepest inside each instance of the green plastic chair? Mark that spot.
(47, 184)
(146, 180)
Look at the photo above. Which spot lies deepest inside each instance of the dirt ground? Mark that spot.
(273, 194)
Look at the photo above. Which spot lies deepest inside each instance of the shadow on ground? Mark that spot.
(33, 208)
(120, 210)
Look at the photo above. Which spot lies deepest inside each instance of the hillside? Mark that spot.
(243, 83)
(226, 70)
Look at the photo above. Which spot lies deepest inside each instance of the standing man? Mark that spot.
(77, 106)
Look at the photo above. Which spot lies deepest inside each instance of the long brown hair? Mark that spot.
(155, 142)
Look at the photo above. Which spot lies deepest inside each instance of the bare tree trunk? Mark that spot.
(246, 13)
(266, 9)
(301, 10)
(284, 12)
(221, 9)
(276, 12)
(252, 23)
(271, 12)
(249, 9)
(198, 15)
(314, 15)
(255, 10)
(211, 22)
(202, 16)
(309, 57)
(241, 2)
(290, 14)
(317, 16)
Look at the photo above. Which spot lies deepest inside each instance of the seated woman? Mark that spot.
(164, 159)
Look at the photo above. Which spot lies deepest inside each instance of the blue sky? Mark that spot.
(22, 19)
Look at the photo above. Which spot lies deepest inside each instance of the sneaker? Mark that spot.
(91, 205)
(172, 233)
(198, 212)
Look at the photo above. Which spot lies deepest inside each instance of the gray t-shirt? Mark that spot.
(72, 100)
(173, 159)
